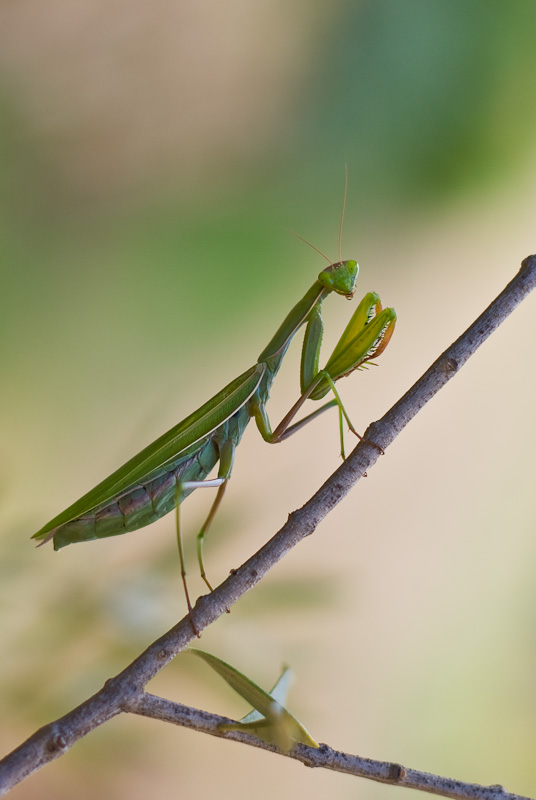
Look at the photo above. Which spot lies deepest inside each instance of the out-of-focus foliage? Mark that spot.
(431, 98)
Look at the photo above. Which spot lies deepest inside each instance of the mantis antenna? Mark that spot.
(343, 207)
(317, 249)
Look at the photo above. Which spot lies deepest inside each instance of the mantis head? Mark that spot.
(340, 277)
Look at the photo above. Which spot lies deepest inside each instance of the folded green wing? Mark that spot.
(166, 448)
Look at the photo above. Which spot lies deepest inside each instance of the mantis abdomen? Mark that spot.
(156, 495)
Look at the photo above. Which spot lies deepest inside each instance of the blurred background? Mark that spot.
(152, 157)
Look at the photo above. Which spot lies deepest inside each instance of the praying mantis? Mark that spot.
(165, 472)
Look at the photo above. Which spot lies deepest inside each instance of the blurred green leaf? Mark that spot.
(272, 723)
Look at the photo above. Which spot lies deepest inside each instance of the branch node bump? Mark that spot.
(56, 743)
(396, 773)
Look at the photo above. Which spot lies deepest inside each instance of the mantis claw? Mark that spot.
(368, 441)
(373, 444)
(192, 623)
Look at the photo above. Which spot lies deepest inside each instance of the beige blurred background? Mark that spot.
(152, 156)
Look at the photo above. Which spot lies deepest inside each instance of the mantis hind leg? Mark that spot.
(227, 450)
(201, 535)
(219, 482)
(226, 453)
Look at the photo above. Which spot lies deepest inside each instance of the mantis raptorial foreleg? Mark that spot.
(366, 336)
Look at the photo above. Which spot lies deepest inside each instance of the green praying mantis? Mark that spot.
(165, 472)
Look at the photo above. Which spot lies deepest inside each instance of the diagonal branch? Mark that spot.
(121, 692)
(149, 705)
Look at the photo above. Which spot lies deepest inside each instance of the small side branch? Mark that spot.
(149, 705)
(125, 690)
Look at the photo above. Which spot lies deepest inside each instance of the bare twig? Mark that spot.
(124, 691)
(149, 705)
